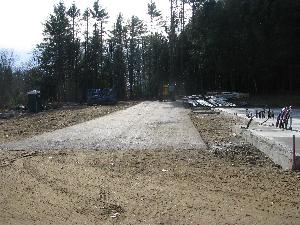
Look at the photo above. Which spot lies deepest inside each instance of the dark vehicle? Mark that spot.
(101, 96)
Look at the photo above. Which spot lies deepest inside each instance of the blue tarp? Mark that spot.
(101, 96)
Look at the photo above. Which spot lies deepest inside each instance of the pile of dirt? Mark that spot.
(216, 131)
(29, 125)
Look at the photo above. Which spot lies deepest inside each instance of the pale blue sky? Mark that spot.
(21, 20)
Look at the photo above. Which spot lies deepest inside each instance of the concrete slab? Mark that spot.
(274, 142)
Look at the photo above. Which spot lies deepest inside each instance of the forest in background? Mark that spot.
(226, 45)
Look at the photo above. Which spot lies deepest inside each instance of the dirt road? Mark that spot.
(214, 185)
(148, 125)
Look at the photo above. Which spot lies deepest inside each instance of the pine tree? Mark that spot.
(118, 57)
(74, 56)
(100, 15)
(136, 30)
(86, 18)
(54, 51)
(6, 77)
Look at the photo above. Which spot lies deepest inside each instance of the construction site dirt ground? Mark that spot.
(226, 182)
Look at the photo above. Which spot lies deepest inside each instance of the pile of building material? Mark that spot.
(6, 115)
(214, 99)
(219, 101)
(196, 101)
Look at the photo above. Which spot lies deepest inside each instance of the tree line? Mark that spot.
(76, 56)
(240, 45)
(229, 45)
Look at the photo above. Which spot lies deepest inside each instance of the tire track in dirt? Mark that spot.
(99, 207)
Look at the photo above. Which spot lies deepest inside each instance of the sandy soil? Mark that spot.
(150, 186)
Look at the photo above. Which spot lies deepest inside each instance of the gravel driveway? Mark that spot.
(148, 125)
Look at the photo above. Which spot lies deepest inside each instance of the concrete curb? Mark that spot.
(277, 152)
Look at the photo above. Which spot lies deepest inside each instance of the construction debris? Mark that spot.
(215, 99)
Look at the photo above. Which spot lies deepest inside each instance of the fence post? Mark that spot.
(294, 153)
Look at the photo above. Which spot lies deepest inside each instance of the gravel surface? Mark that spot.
(148, 125)
(28, 125)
